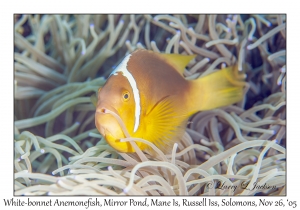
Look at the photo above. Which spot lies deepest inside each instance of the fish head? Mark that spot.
(117, 97)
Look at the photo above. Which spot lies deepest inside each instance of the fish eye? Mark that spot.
(126, 96)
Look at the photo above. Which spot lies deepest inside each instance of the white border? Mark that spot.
(155, 6)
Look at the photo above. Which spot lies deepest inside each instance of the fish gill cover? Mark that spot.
(60, 61)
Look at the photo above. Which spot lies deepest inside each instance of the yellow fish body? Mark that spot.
(149, 93)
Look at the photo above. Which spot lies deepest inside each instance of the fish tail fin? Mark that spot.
(221, 88)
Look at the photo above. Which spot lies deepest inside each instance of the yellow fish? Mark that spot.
(148, 92)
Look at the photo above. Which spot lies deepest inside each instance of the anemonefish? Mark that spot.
(148, 92)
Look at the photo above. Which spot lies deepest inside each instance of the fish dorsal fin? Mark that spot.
(164, 124)
(178, 61)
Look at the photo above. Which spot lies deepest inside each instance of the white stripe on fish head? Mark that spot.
(122, 67)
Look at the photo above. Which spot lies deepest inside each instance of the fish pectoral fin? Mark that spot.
(165, 124)
(178, 61)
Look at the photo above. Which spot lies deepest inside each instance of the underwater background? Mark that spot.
(60, 61)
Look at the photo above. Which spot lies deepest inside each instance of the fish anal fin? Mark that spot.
(164, 124)
(218, 89)
(178, 61)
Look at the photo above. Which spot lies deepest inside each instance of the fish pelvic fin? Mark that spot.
(164, 124)
(94, 99)
(220, 88)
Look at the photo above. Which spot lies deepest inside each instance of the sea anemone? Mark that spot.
(60, 61)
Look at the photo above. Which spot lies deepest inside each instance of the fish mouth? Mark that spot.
(111, 130)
